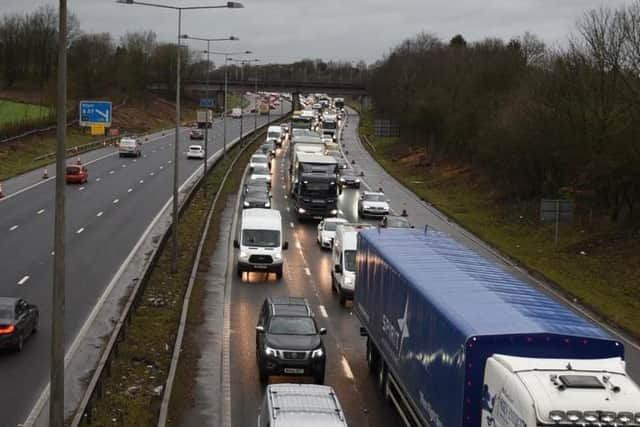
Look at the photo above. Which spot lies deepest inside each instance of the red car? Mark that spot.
(76, 174)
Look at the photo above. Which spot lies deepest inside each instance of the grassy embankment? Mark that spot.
(144, 358)
(11, 112)
(595, 262)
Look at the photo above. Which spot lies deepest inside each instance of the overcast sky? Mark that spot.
(288, 30)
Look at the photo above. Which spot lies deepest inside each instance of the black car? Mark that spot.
(196, 134)
(256, 186)
(288, 341)
(395, 221)
(257, 199)
(18, 320)
(349, 179)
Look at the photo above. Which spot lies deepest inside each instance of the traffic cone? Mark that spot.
(1, 192)
(45, 174)
(78, 162)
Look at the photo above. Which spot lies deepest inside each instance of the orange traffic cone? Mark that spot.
(1, 192)
(45, 174)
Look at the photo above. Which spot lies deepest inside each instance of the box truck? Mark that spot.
(456, 340)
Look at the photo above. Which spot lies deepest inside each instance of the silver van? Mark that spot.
(129, 147)
(301, 405)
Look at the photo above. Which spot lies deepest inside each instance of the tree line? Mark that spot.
(538, 121)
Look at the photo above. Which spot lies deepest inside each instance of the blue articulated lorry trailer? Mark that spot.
(456, 340)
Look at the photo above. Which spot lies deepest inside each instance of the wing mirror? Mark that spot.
(285, 246)
(338, 269)
(323, 331)
(236, 244)
(260, 329)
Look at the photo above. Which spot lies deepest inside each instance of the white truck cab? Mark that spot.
(301, 405)
(261, 242)
(522, 391)
(343, 257)
(275, 134)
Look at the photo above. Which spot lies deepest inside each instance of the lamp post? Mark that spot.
(174, 225)
(242, 63)
(224, 112)
(56, 373)
(206, 128)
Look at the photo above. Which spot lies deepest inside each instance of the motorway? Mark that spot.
(307, 274)
(105, 219)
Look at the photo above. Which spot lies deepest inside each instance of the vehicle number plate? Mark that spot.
(260, 267)
(293, 371)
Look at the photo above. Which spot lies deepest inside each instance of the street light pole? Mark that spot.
(56, 397)
(176, 148)
(224, 112)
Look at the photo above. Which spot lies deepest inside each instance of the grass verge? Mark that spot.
(132, 394)
(595, 262)
(18, 112)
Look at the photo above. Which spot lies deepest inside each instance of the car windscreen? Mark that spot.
(374, 197)
(73, 171)
(284, 325)
(259, 195)
(259, 159)
(127, 143)
(260, 170)
(273, 135)
(350, 260)
(329, 125)
(261, 238)
(6, 314)
(331, 225)
(397, 222)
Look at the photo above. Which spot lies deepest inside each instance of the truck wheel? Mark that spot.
(239, 272)
(279, 274)
(264, 377)
(382, 377)
(372, 357)
(319, 378)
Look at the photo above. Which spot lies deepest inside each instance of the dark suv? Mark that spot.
(288, 340)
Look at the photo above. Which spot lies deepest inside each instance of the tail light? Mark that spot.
(8, 329)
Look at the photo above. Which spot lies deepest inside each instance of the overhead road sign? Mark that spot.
(207, 102)
(95, 113)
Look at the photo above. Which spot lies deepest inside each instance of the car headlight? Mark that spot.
(341, 179)
(270, 351)
(277, 257)
(267, 205)
(243, 254)
(574, 416)
(302, 210)
(246, 204)
(358, 180)
(334, 211)
(557, 416)
(317, 353)
(348, 281)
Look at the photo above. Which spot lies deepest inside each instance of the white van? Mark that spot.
(275, 135)
(236, 113)
(343, 257)
(301, 405)
(261, 242)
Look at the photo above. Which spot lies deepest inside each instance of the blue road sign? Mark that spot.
(207, 102)
(95, 113)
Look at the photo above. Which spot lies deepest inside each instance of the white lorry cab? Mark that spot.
(275, 135)
(261, 242)
(301, 405)
(524, 391)
(343, 257)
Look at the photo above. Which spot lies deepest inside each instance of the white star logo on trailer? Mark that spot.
(403, 325)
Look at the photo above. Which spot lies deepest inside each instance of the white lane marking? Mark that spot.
(81, 188)
(99, 214)
(23, 280)
(142, 181)
(307, 271)
(161, 167)
(53, 253)
(291, 224)
(124, 166)
(346, 368)
(152, 173)
(153, 151)
(80, 230)
(144, 155)
(169, 162)
(13, 228)
(288, 209)
(130, 190)
(98, 179)
(111, 172)
(134, 160)
(323, 311)
(116, 201)
(41, 211)
(285, 196)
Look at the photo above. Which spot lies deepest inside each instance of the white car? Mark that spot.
(327, 231)
(259, 160)
(373, 203)
(195, 152)
(260, 173)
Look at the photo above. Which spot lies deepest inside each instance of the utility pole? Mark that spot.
(206, 127)
(56, 396)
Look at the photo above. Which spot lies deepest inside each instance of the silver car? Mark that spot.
(129, 147)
